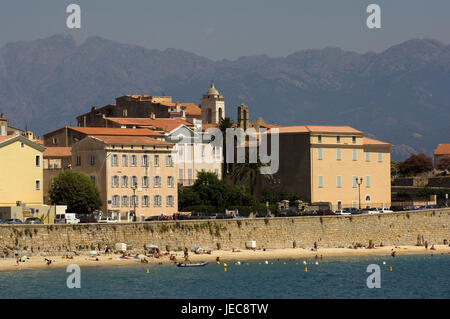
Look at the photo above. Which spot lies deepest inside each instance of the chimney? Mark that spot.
(93, 108)
(3, 125)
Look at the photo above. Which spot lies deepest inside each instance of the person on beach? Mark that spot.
(48, 261)
(426, 244)
(393, 254)
(106, 250)
(315, 246)
(17, 259)
(432, 247)
(5, 252)
(186, 254)
(217, 259)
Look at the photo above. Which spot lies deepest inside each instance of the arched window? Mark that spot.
(220, 113)
(208, 116)
(368, 198)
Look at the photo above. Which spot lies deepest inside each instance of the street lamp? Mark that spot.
(134, 202)
(359, 182)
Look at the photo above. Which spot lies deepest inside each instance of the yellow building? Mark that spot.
(334, 164)
(21, 171)
(131, 172)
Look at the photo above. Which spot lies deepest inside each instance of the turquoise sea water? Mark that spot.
(412, 276)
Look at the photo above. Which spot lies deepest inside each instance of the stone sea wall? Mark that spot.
(400, 228)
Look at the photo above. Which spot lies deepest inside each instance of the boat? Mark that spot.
(200, 264)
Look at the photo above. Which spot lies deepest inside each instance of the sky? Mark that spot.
(228, 29)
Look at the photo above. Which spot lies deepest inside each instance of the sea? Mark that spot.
(405, 276)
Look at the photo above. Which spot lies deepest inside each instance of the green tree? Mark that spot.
(224, 123)
(77, 191)
(415, 164)
(248, 173)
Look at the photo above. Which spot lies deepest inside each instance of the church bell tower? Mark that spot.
(213, 106)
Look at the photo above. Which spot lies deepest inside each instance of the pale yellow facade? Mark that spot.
(336, 165)
(118, 168)
(21, 171)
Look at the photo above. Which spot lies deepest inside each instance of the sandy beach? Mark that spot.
(224, 255)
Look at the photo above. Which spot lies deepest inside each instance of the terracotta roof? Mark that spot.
(442, 149)
(129, 140)
(115, 131)
(371, 141)
(317, 129)
(58, 152)
(164, 123)
(191, 108)
(7, 137)
(209, 125)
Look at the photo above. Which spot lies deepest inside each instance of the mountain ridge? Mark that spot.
(399, 95)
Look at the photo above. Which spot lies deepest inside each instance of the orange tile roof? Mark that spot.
(371, 141)
(191, 108)
(129, 140)
(166, 124)
(115, 131)
(317, 129)
(442, 149)
(58, 151)
(7, 137)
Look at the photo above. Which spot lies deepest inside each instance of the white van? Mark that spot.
(67, 218)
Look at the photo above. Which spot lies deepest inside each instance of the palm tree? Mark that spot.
(248, 173)
(224, 123)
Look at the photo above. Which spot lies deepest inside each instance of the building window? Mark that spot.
(133, 160)
(125, 160)
(169, 161)
(37, 160)
(354, 181)
(367, 181)
(124, 113)
(134, 181)
(115, 160)
(115, 181)
(92, 160)
(157, 181)
(368, 199)
(339, 205)
(181, 174)
(354, 203)
(338, 154)
(157, 201)
(115, 201)
(54, 140)
(170, 181)
(145, 201)
(353, 139)
(367, 156)
(190, 176)
(319, 139)
(145, 161)
(169, 201)
(37, 185)
(338, 139)
(338, 181)
(93, 179)
(125, 202)
(22, 145)
(319, 153)
(380, 157)
(216, 171)
(156, 162)
(124, 182)
(320, 181)
(354, 155)
(144, 181)
(78, 160)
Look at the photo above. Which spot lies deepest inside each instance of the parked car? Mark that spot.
(397, 208)
(13, 221)
(2, 222)
(85, 219)
(66, 218)
(384, 210)
(342, 212)
(373, 211)
(199, 215)
(223, 216)
(33, 220)
(354, 211)
(287, 214)
(107, 220)
(159, 217)
(325, 212)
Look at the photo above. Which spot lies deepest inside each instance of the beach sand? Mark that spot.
(37, 262)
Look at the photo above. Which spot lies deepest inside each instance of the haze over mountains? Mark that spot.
(401, 95)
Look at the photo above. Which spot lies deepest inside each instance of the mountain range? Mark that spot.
(400, 95)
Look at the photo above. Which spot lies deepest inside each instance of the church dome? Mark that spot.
(212, 90)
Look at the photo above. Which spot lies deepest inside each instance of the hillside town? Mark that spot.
(128, 150)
